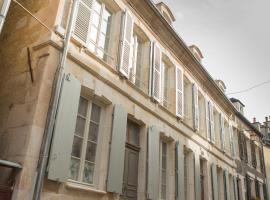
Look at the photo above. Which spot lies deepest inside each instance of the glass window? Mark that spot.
(163, 171)
(133, 131)
(83, 156)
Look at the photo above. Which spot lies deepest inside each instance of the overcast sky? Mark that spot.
(234, 37)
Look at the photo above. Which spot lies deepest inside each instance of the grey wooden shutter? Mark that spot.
(179, 92)
(117, 150)
(231, 141)
(153, 163)
(222, 131)
(179, 165)
(235, 188)
(226, 185)
(195, 99)
(83, 19)
(156, 84)
(197, 177)
(214, 181)
(64, 128)
(151, 56)
(126, 45)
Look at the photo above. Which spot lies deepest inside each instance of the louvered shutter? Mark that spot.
(126, 45)
(207, 120)
(156, 70)
(211, 118)
(83, 20)
(179, 165)
(222, 131)
(235, 188)
(195, 99)
(226, 185)
(197, 177)
(151, 56)
(231, 141)
(64, 128)
(153, 163)
(214, 181)
(117, 150)
(179, 92)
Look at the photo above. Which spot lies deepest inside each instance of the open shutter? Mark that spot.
(214, 181)
(231, 141)
(179, 165)
(197, 176)
(126, 45)
(222, 131)
(117, 150)
(226, 185)
(151, 60)
(235, 188)
(64, 128)
(195, 99)
(179, 92)
(153, 163)
(83, 20)
(4, 7)
(207, 120)
(156, 70)
(211, 117)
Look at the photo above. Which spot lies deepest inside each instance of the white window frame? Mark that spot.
(84, 144)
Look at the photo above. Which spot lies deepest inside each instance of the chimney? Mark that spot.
(266, 119)
(254, 120)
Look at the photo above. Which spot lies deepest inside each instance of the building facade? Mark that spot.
(122, 110)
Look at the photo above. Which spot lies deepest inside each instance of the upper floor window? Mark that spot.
(165, 84)
(93, 25)
(83, 156)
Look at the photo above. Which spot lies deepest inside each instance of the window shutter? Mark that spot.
(179, 165)
(211, 117)
(64, 128)
(153, 163)
(3, 12)
(231, 141)
(235, 188)
(156, 85)
(207, 120)
(83, 20)
(197, 176)
(226, 185)
(126, 45)
(214, 181)
(179, 92)
(195, 98)
(151, 60)
(117, 150)
(222, 131)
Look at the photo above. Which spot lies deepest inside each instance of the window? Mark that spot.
(83, 156)
(253, 154)
(165, 84)
(163, 171)
(210, 121)
(93, 25)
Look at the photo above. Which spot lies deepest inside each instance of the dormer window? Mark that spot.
(166, 12)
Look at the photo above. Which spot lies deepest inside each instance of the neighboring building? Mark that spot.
(138, 115)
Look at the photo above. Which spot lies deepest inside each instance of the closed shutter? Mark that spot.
(153, 163)
(179, 165)
(226, 185)
(117, 150)
(126, 45)
(179, 92)
(64, 128)
(195, 98)
(156, 86)
(83, 20)
(214, 181)
(197, 177)
(151, 55)
(235, 188)
(222, 131)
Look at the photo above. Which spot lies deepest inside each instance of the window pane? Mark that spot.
(80, 125)
(93, 132)
(95, 113)
(164, 148)
(104, 26)
(88, 173)
(74, 168)
(97, 6)
(93, 34)
(83, 107)
(102, 40)
(77, 147)
(106, 15)
(95, 19)
(91, 151)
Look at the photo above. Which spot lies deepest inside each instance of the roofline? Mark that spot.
(211, 79)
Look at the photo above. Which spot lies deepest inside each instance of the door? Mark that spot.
(5, 192)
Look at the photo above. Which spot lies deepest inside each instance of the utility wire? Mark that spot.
(32, 15)
(251, 88)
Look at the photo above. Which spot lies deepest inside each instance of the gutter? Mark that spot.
(201, 67)
(55, 96)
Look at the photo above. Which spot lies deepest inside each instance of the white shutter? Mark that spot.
(156, 86)
(211, 117)
(179, 92)
(83, 18)
(207, 119)
(231, 141)
(195, 98)
(222, 131)
(126, 45)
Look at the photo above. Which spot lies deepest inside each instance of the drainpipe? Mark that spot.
(53, 106)
(3, 13)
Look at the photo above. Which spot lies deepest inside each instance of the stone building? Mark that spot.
(103, 100)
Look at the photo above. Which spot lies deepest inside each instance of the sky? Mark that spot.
(234, 37)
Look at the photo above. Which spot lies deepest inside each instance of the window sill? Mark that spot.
(79, 186)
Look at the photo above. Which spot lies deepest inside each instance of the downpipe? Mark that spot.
(44, 153)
